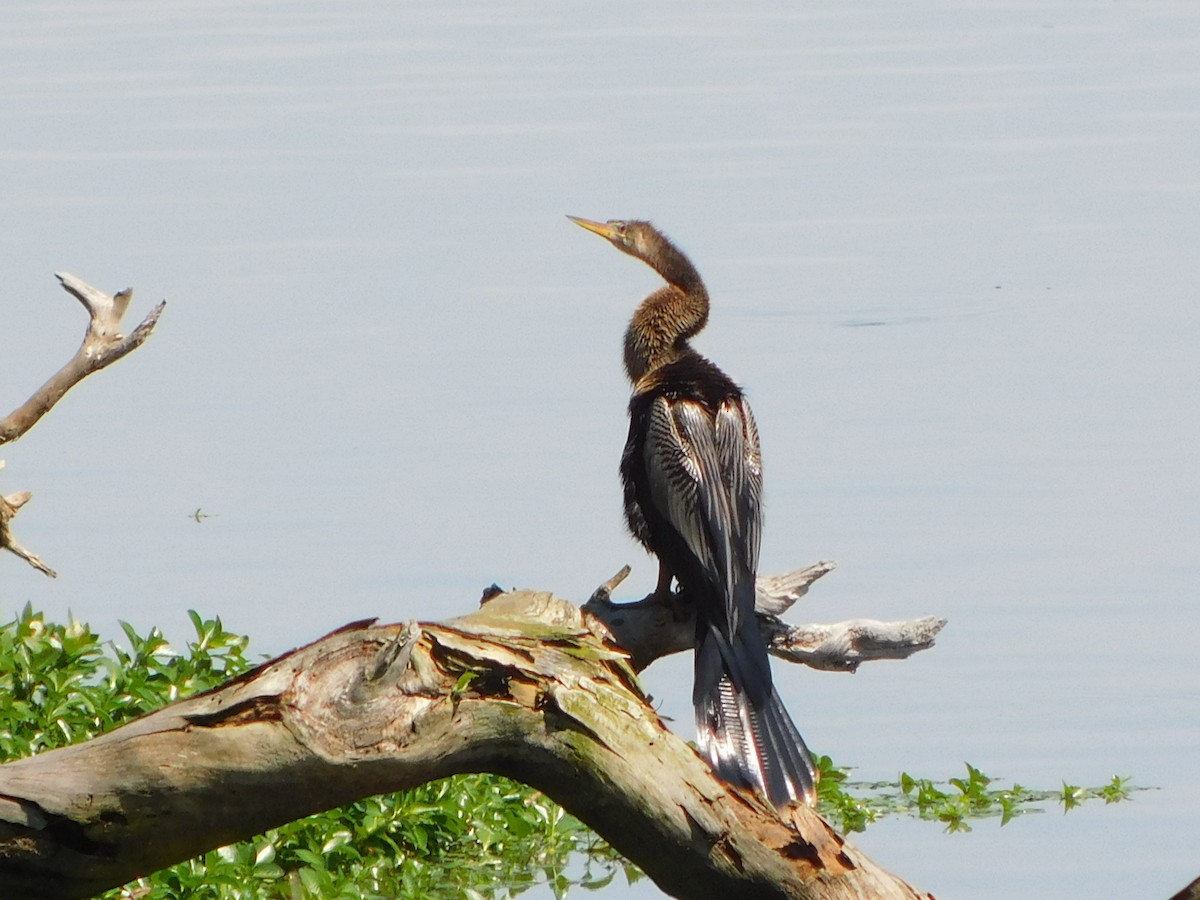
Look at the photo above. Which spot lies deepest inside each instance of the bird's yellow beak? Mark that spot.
(605, 231)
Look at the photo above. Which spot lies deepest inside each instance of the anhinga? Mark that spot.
(692, 474)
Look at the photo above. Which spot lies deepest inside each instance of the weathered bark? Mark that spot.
(103, 344)
(368, 709)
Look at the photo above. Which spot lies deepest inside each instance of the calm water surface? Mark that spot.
(952, 255)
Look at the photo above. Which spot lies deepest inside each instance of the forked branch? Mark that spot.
(8, 508)
(651, 627)
(103, 344)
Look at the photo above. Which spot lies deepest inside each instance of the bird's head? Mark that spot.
(632, 236)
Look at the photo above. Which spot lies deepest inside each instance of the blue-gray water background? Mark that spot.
(953, 255)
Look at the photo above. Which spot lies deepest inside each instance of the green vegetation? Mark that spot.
(470, 836)
(473, 836)
(852, 806)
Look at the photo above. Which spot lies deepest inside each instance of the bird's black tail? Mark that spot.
(751, 741)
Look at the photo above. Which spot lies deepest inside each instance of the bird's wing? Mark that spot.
(678, 469)
(706, 480)
(741, 461)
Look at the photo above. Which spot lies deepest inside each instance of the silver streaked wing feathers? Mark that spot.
(676, 473)
(706, 479)
(741, 464)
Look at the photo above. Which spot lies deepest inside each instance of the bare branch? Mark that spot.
(103, 344)
(8, 509)
(653, 627)
(777, 593)
(844, 646)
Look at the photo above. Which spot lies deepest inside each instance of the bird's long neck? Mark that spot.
(659, 330)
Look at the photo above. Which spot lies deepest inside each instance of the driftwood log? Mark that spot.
(550, 700)
(103, 344)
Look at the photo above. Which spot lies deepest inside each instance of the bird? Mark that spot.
(691, 471)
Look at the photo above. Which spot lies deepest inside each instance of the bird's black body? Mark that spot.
(692, 474)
